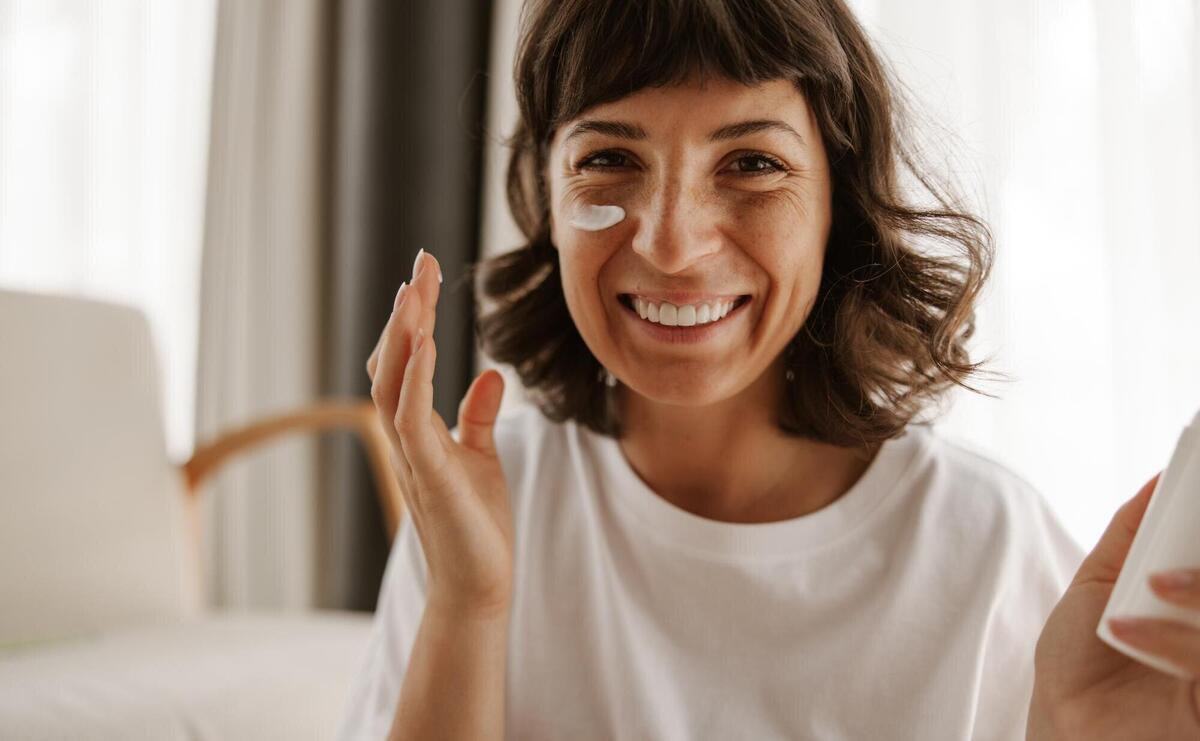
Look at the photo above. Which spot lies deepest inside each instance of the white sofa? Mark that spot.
(103, 634)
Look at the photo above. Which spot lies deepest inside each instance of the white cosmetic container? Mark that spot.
(1167, 539)
(594, 218)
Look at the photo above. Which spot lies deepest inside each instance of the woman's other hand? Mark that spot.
(455, 492)
(1085, 689)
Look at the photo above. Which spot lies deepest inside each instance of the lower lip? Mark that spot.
(685, 335)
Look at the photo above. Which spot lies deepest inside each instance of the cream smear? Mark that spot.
(594, 218)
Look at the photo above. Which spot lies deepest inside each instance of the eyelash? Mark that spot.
(776, 164)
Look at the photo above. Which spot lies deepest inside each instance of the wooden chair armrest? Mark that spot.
(354, 414)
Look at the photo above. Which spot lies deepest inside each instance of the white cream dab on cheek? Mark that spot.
(594, 218)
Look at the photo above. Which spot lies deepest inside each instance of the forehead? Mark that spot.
(696, 106)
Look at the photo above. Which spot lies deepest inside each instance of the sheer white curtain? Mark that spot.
(1078, 123)
(260, 319)
(1073, 123)
(103, 141)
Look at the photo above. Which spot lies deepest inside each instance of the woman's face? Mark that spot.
(726, 197)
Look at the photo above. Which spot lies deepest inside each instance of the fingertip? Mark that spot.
(435, 266)
(495, 391)
(499, 380)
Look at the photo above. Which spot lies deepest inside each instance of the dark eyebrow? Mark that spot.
(745, 128)
(624, 130)
(617, 129)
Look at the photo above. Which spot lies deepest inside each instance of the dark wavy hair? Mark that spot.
(887, 332)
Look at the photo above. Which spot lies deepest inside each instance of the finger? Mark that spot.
(422, 446)
(1106, 559)
(393, 359)
(384, 410)
(1179, 592)
(1176, 642)
(478, 410)
(426, 281)
(429, 285)
(398, 334)
(373, 360)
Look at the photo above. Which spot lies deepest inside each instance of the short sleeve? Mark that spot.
(371, 700)
(1041, 563)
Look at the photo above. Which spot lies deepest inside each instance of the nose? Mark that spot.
(677, 229)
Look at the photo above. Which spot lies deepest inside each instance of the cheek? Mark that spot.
(582, 258)
(785, 235)
(773, 215)
(780, 230)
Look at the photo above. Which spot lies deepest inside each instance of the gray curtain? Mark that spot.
(408, 89)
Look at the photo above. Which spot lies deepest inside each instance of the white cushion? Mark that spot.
(224, 677)
(91, 511)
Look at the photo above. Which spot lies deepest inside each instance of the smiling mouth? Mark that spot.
(687, 316)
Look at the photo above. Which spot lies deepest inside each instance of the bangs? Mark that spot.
(887, 334)
(598, 52)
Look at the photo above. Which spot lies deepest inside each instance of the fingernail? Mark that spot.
(1128, 625)
(417, 262)
(400, 295)
(1174, 579)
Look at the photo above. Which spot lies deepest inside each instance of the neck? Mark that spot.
(730, 462)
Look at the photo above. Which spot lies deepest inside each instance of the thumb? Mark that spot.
(478, 410)
(1106, 559)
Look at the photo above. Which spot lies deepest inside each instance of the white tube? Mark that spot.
(594, 218)
(1167, 539)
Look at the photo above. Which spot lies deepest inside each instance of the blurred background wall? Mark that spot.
(257, 176)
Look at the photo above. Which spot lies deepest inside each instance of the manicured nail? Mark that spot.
(417, 262)
(1174, 579)
(400, 295)
(1129, 625)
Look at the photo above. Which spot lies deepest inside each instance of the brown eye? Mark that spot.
(759, 164)
(601, 161)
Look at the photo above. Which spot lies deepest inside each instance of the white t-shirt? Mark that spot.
(909, 608)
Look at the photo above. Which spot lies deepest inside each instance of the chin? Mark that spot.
(693, 391)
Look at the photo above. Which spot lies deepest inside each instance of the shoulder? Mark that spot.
(969, 478)
(989, 501)
(526, 441)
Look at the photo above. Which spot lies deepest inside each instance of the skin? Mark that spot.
(713, 217)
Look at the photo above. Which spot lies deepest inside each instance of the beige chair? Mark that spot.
(103, 634)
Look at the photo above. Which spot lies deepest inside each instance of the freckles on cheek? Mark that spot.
(774, 218)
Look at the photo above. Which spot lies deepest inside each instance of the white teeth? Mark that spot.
(688, 315)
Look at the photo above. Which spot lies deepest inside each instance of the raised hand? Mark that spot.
(455, 491)
(1084, 688)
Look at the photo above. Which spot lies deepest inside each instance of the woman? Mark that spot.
(724, 520)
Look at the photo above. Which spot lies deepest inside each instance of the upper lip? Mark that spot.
(684, 297)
